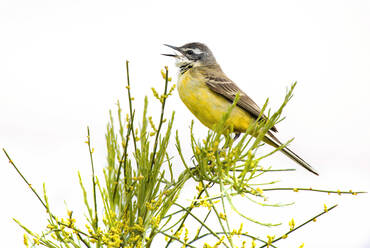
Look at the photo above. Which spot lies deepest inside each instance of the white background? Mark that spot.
(62, 68)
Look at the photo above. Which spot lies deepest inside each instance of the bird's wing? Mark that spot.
(221, 84)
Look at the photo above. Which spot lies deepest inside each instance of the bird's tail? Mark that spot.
(272, 140)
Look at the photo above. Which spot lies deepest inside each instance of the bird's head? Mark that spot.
(192, 55)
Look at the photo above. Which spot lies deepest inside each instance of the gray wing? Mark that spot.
(228, 89)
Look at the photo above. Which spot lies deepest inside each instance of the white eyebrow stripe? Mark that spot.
(195, 50)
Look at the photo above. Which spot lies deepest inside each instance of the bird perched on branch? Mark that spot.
(208, 93)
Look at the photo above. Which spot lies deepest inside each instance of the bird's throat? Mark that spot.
(184, 65)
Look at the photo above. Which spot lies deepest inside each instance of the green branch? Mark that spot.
(339, 192)
(130, 99)
(303, 224)
(95, 221)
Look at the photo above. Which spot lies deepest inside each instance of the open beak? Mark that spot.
(172, 55)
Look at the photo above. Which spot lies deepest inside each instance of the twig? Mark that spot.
(313, 218)
(185, 217)
(241, 234)
(24, 179)
(124, 156)
(318, 190)
(130, 103)
(42, 202)
(93, 179)
(160, 119)
(177, 239)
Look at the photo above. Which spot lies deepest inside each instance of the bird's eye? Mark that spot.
(189, 52)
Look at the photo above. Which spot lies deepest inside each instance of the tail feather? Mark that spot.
(272, 140)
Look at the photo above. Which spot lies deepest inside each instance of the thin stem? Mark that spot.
(160, 119)
(83, 241)
(242, 234)
(24, 179)
(224, 209)
(197, 219)
(93, 179)
(268, 170)
(200, 229)
(308, 221)
(177, 239)
(218, 218)
(318, 190)
(42, 202)
(130, 103)
(124, 156)
(185, 217)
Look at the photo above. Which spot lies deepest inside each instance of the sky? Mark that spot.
(62, 69)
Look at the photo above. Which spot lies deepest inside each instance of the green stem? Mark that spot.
(184, 218)
(317, 190)
(93, 180)
(202, 223)
(124, 156)
(177, 239)
(241, 234)
(130, 103)
(224, 209)
(200, 229)
(42, 202)
(160, 119)
(24, 179)
(83, 241)
(313, 218)
(218, 216)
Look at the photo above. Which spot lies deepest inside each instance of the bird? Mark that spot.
(208, 93)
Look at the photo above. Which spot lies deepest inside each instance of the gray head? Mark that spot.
(192, 54)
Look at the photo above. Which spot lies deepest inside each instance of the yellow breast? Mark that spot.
(208, 106)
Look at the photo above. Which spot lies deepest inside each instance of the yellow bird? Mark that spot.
(208, 93)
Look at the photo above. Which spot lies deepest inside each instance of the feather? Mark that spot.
(218, 82)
